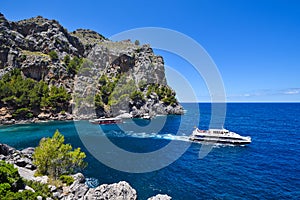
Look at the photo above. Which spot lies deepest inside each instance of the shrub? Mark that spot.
(24, 195)
(58, 99)
(169, 100)
(4, 188)
(137, 42)
(40, 188)
(74, 65)
(11, 182)
(22, 113)
(22, 58)
(68, 180)
(67, 60)
(53, 55)
(137, 95)
(8, 174)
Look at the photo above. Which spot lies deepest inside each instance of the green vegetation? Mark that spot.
(41, 188)
(53, 55)
(68, 180)
(164, 93)
(137, 95)
(11, 182)
(67, 60)
(22, 58)
(105, 90)
(27, 96)
(57, 99)
(54, 158)
(9, 175)
(113, 91)
(73, 65)
(122, 91)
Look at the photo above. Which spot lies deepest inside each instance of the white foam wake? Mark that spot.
(144, 135)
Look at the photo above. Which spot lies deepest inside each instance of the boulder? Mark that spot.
(56, 194)
(26, 173)
(52, 188)
(3, 111)
(22, 162)
(39, 198)
(6, 150)
(76, 191)
(79, 177)
(160, 197)
(30, 166)
(41, 179)
(44, 116)
(29, 188)
(125, 116)
(121, 190)
(28, 151)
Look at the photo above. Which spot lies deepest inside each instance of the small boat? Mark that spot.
(219, 136)
(103, 121)
(146, 117)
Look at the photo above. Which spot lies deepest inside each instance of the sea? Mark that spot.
(268, 168)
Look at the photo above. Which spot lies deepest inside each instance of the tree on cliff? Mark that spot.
(54, 158)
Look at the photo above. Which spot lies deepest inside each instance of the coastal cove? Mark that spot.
(268, 168)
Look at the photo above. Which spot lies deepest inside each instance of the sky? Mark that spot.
(255, 44)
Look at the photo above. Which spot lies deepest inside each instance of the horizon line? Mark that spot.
(240, 102)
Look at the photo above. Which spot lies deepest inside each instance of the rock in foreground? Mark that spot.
(160, 197)
(121, 190)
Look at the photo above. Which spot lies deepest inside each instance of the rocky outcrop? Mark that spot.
(78, 190)
(121, 190)
(26, 45)
(19, 158)
(160, 197)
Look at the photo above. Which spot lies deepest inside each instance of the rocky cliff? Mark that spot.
(101, 77)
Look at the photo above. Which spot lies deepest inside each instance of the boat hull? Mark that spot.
(220, 141)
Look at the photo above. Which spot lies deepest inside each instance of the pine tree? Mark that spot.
(54, 158)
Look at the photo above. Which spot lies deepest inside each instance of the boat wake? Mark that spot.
(144, 135)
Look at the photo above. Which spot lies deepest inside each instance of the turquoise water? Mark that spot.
(268, 168)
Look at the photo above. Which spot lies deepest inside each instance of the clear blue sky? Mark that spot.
(254, 43)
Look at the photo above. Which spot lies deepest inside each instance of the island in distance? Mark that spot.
(48, 73)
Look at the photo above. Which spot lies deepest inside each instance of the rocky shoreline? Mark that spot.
(67, 117)
(78, 190)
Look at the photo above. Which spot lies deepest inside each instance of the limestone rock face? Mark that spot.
(27, 44)
(140, 63)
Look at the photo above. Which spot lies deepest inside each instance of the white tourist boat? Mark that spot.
(219, 136)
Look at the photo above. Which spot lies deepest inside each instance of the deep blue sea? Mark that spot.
(268, 168)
